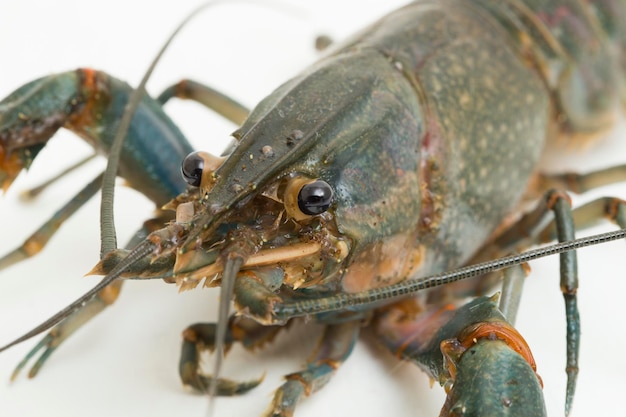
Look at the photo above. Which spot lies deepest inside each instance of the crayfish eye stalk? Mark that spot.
(305, 197)
(198, 169)
(315, 198)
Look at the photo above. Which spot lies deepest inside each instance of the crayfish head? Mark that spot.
(285, 231)
(325, 178)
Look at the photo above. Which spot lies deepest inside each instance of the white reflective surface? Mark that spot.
(125, 362)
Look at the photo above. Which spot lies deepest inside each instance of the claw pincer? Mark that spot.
(483, 363)
(90, 103)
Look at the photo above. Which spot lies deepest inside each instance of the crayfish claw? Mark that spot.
(65, 327)
(224, 386)
(47, 343)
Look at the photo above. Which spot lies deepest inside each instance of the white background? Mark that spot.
(124, 363)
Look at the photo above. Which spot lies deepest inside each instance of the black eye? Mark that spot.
(315, 197)
(192, 167)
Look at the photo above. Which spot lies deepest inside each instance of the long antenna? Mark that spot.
(107, 221)
(347, 301)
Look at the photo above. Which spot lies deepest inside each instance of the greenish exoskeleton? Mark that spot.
(410, 149)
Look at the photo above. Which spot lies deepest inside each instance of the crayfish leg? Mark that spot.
(49, 343)
(208, 97)
(200, 337)
(36, 242)
(90, 309)
(553, 219)
(334, 348)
